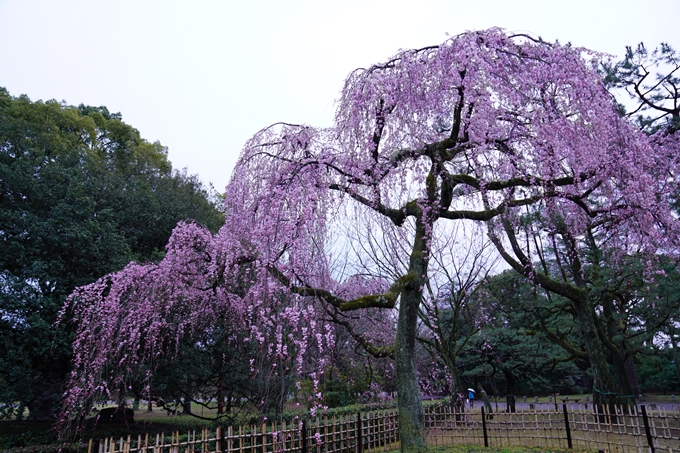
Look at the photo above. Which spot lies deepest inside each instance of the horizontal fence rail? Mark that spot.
(636, 429)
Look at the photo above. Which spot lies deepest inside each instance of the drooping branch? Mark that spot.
(526, 268)
(376, 351)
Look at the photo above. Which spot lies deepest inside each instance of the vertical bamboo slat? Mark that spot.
(616, 430)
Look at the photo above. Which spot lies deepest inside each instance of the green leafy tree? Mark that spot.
(210, 371)
(651, 80)
(654, 322)
(81, 194)
(529, 343)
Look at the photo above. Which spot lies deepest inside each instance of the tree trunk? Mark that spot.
(631, 374)
(627, 380)
(411, 418)
(47, 389)
(511, 381)
(186, 407)
(625, 376)
(485, 398)
(510, 403)
(458, 394)
(220, 396)
(604, 388)
(676, 354)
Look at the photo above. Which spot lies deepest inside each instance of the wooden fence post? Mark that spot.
(360, 441)
(648, 431)
(304, 436)
(566, 424)
(486, 437)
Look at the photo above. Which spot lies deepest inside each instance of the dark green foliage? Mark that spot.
(531, 342)
(657, 373)
(353, 375)
(657, 320)
(212, 371)
(81, 194)
(522, 347)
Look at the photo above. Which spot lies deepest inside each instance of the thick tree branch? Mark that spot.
(489, 213)
(397, 216)
(386, 300)
(525, 267)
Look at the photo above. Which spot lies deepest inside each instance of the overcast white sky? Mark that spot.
(202, 76)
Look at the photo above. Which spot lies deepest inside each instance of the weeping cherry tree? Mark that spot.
(475, 129)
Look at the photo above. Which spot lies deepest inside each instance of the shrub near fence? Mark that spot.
(573, 426)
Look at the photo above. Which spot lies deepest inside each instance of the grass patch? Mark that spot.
(477, 449)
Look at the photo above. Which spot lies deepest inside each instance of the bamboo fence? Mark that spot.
(574, 426)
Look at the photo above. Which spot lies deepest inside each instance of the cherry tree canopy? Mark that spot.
(470, 130)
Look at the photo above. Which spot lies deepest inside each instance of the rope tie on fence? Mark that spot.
(603, 393)
(613, 393)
